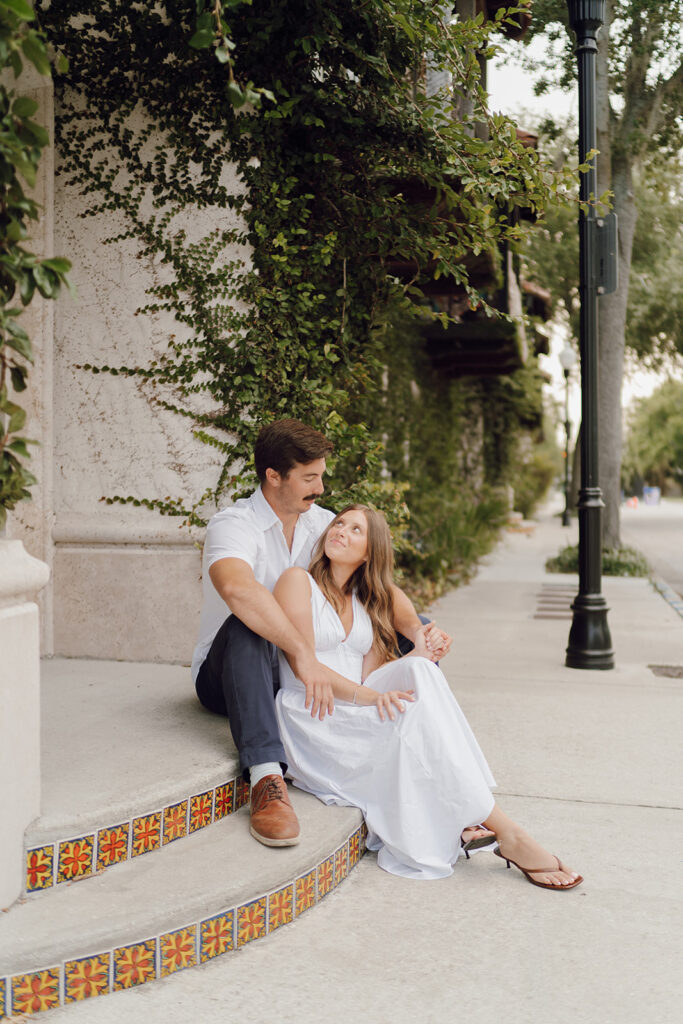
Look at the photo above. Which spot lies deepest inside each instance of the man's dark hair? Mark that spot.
(285, 442)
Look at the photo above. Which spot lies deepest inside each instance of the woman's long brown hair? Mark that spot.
(371, 581)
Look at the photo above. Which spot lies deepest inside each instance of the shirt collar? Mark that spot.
(265, 515)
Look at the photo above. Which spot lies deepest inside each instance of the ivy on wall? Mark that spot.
(22, 274)
(320, 106)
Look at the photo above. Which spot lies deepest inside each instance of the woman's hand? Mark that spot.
(386, 702)
(437, 641)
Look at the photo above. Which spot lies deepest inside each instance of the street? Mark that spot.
(657, 531)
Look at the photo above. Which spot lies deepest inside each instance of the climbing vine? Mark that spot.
(22, 274)
(321, 109)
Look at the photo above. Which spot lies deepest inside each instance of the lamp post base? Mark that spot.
(590, 643)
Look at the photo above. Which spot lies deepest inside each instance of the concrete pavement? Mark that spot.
(588, 761)
(657, 531)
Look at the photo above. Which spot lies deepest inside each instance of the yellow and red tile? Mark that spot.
(86, 977)
(224, 800)
(216, 936)
(354, 849)
(201, 808)
(242, 793)
(4, 1005)
(135, 964)
(325, 877)
(39, 869)
(341, 864)
(112, 845)
(32, 993)
(175, 822)
(251, 921)
(75, 858)
(363, 837)
(305, 892)
(146, 833)
(280, 907)
(177, 950)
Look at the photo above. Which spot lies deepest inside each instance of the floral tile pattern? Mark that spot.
(251, 921)
(325, 877)
(224, 800)
(32, 993)
(341, 864)
(75, 858)
(216, 936)
(354, 849)
(175, 822)
(177, 950)
(146, 834)
(86, 977)
(305, 892)
(4, 1007)
(134, 965)
(112, 845)
(280, 907)
(39, 868)
(201, 809)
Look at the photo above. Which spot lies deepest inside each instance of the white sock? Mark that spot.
(259, 771)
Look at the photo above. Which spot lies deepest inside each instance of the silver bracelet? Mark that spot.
(353, 700)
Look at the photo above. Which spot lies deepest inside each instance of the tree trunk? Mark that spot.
(612, 328)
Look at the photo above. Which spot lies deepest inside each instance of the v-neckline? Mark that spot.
(336, 613)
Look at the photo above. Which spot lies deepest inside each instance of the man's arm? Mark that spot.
(256, 607)
(407, 622)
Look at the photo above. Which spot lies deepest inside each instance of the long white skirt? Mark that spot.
(419, 780)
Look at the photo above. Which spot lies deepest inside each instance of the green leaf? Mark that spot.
(35, 51)
(20, 8)
(17, 416)
(44, 282)
(18, 375)
(20, 345)
(57, 263)
(202, 39)
(19, 446)
(23, 106)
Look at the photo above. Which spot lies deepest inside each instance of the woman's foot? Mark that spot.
(519, 848)
(477, 832)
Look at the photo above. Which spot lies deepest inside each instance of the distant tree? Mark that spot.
(654, 441)
(639, 89)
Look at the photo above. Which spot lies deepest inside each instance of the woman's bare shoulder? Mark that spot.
(294, 579)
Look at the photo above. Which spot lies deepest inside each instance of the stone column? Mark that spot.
(21, 577)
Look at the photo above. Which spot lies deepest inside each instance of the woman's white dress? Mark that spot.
(419, 780)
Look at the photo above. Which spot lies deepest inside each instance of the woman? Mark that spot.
(397, 746)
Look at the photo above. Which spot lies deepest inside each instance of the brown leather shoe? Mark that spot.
(273, 821)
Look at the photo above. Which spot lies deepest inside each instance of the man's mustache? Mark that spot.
(311, 497)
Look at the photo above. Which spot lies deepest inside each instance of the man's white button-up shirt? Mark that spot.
(250, 530)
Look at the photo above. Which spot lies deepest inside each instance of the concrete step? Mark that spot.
(127, 750)
(130, 761)
(197, 898)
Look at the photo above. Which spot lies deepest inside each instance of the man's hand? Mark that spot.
(319, 695)
(437, 642)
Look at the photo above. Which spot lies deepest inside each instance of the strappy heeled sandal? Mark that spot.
(481, 843)
(542, 871)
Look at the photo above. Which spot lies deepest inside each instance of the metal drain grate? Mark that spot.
(668, 671)
(554, 601)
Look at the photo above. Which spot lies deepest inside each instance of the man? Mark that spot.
(234, 667)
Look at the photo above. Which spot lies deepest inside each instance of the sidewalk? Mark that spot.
(588, 761)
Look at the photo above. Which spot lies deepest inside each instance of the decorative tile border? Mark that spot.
(80, 856)
(157, 957)
(670, 595)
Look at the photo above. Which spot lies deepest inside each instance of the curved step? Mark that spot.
(130, 762)
(195, 899)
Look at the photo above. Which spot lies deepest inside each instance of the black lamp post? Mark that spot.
(590, 644)
(567, 361)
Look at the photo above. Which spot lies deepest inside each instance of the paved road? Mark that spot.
(657, 531)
